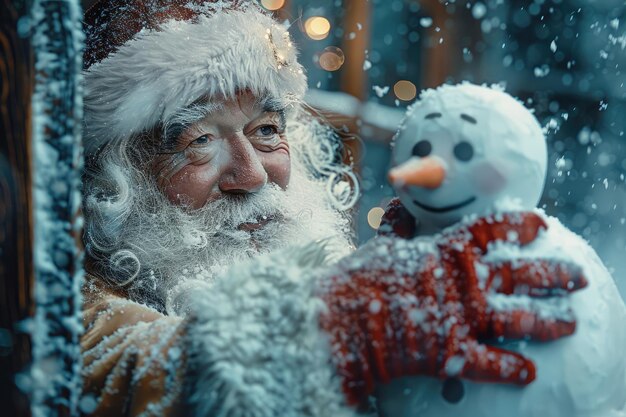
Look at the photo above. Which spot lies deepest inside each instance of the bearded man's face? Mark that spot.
(222, 184)
(236, 147)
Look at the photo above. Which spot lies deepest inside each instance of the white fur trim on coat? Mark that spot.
(256, 349)
(159, 72)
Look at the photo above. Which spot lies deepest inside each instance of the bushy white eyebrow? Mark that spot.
(174, 126)
(192, 114)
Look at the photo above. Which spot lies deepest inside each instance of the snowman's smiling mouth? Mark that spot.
(446, 208)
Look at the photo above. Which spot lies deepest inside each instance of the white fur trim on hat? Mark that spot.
(159, 72)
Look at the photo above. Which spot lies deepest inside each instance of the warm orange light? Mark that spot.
(405, 90)
(317, 27)
(272, 4)
(375, 216)
(332, 58)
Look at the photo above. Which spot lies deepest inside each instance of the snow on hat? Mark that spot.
(147, 59)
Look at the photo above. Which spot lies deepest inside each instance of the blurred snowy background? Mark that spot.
(368, 59)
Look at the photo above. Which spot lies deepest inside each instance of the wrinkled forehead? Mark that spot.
(245, 101)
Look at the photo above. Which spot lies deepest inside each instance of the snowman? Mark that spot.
(465, 151)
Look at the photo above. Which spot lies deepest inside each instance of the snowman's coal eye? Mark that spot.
(464, 151)
(422, 148)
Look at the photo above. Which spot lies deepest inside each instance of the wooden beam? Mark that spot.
(353, 78)
(438, 60)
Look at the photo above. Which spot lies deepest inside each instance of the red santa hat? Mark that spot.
(145, 60)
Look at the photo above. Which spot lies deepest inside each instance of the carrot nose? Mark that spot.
(426, 172)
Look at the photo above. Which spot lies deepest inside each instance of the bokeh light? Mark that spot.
(405, 90)
(374, 217)
(272, 4)
(332, 58)
(317, 27)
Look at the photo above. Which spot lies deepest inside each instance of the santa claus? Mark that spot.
(214, 229)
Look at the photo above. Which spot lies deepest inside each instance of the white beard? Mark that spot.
(170, 248)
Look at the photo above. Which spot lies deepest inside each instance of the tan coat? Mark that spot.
(133, 356)
(251, 345)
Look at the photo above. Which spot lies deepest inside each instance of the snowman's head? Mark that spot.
(465, 149)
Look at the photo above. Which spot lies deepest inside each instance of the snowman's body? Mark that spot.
(583, 375)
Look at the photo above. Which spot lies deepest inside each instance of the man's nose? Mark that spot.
(244, 172)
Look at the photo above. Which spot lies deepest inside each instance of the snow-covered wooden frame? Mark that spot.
(40, 223)
(56, 114)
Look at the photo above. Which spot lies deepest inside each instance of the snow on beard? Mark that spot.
(174, 248)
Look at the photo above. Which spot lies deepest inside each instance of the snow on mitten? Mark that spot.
(402, 307)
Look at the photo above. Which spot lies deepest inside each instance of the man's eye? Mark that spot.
(202, 140)
(267, 130)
